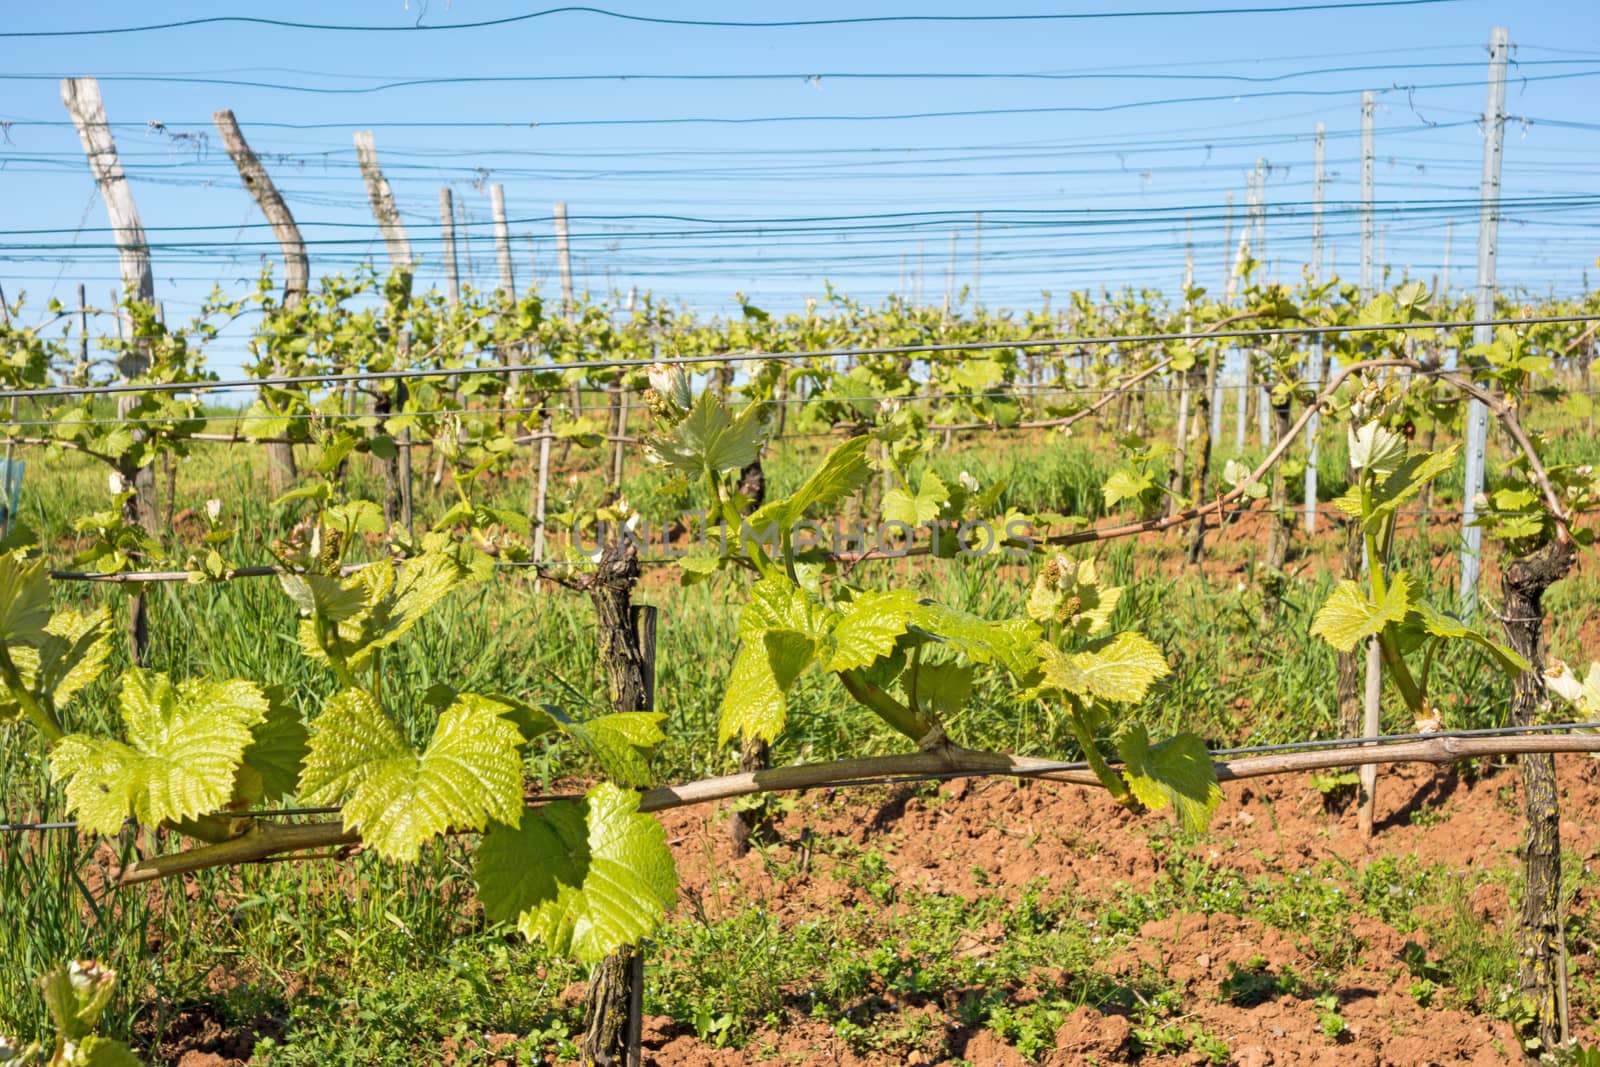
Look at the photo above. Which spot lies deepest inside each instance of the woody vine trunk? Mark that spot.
(1202, 457)
(627, 647)
(1540, 934)
(1278, 522)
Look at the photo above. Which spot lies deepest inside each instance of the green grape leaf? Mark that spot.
(71, 654)
(324, 595)
(944, 688)
(1009, 643)
(869, 626)
(914, 510)
(398, 798)
(1120, 669)
(1349, 616)
(756, 702)
(1439, 624)
(583, 877)
(390, 606)
(709, 440)
(1406, 482)
(1124, 484)
(24, 600)
(76, 995)
(698, 564)
(843, 472)
(1175, 772)
(778, 604)
(185, 743)
(1375, 449)
(1349, 501)
(278, 746)
(1070, 593)
(621, 743)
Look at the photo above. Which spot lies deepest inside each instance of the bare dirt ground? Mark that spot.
(1084, 845)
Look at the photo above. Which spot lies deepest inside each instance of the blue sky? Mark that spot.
(1070, 198)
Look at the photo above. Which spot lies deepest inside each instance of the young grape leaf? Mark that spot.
(620, 743)
(843, 472)
(914, 510)
(1406, 482)
(71, 654)
(76, 995)
(398, 798)
(390, 606)
(325, 595)
(756, 701)
(778, 604)
(98, 1051)
(185, 743)
(1070, 593)
(869, 626)
(278, 745)
(1009, 643)
(1176, 772)
(1441, 625)
(24, 599)
(582, 877)
(709, 440)
(944, 688)
(1124, 484)
(1582, 693)
(1120, 669)
(1374, 449)
(1349, 616)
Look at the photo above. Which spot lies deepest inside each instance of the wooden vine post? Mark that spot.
(613, 1012)
(82, 98)
(296, 265)
(1541, 937)
(396, 471)
(447, 243)
(508, 276)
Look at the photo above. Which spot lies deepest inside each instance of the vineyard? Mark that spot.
(517, 674)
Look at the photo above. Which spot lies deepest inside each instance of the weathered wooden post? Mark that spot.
(296, 266)
(82, 98)
(396, 471)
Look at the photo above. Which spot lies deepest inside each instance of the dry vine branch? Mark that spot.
(272, 840)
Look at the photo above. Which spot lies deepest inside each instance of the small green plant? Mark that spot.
(1174, 1039)
(1329, 1021)
(76, 996)
(1338, 788)
(1030, 1028)
(1255, 983)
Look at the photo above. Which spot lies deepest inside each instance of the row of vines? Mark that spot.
(362, 370)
